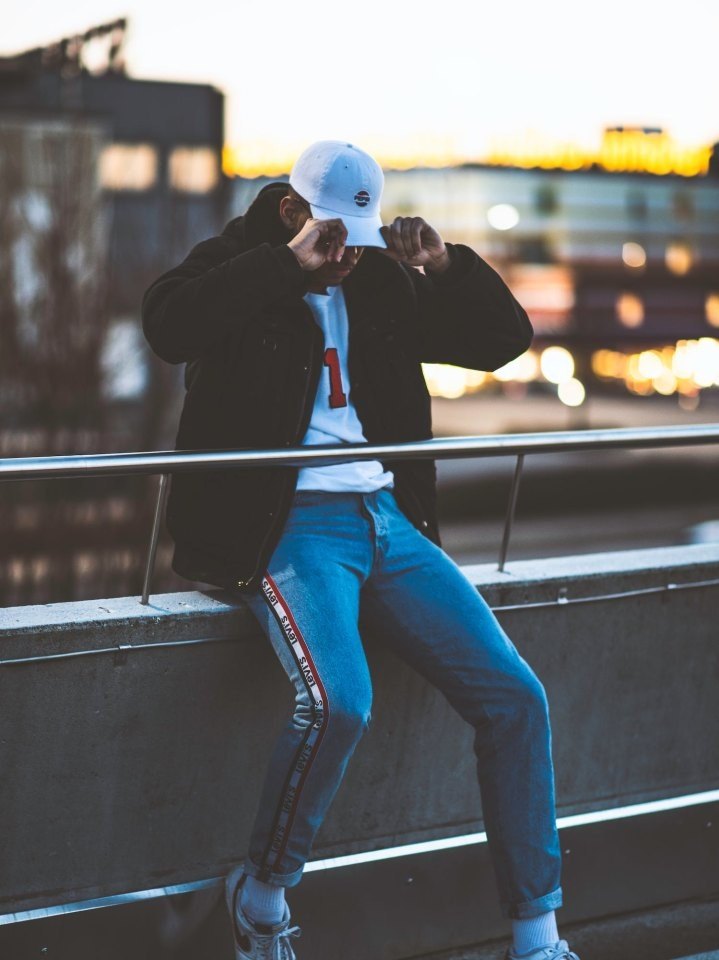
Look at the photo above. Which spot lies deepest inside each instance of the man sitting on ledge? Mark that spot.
(306, 322)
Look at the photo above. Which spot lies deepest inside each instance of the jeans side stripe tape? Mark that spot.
(321, 712)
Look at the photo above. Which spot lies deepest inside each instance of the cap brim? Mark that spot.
(361, 231)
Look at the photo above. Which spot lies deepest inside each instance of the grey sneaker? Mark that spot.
(257, 941)
(558, 951)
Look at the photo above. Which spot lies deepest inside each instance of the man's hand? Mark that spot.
(413, 241)
(318, 242)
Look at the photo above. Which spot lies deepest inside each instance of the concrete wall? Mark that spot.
(141, 768)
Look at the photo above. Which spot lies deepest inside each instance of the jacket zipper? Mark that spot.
(281, 513)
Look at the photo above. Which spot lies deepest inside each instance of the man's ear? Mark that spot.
(288, 212)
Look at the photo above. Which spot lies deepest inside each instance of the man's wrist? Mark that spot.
(459, 265)
(440, 265)
(292, 268)
(295, 255)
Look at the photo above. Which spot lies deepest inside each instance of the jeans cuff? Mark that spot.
(532, 908)
(269, 876)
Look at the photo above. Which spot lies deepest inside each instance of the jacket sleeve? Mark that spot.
(191, 308)
(467, 315)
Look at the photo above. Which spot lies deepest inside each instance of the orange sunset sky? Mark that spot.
(416, 81)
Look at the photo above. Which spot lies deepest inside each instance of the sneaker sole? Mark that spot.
(231, 886)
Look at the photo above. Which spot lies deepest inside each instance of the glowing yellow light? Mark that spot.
(633, 372)
(503, 216)
(128, 166)
(627, 149)
(641, 387)
(609, 363)
(703, 378)
(253, 158)
(681, 362)
(451, 386)
(678, 258)
(668, 356)
(475, 378)
(193, 169)
(706, 362)
(620, 361)
(650, 364)
(630, 310)
(696, 362)
(712, 309)
(684, 368)
(665, 383)
(556, 364)
(571, 392)
(450, 382)
(523, 368)
(634, 148)
(634, 255)
(602, 363)
(687, 388)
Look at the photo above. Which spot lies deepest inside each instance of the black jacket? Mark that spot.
(233, 312)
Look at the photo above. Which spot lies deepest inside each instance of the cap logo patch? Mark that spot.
(362, 198)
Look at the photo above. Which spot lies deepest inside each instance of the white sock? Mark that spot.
(262, 902)
(535, 932)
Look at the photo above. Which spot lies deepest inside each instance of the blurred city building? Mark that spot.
(158, 168)
(615, 263)
(107, 181)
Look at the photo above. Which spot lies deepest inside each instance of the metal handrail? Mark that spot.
(122, 464)
(518, 444)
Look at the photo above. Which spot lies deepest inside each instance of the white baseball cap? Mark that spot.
(339, 180)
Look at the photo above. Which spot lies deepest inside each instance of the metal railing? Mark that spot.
(517, 444)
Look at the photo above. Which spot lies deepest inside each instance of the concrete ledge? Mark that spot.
(140, 768)
(594, 564)
(215, 611)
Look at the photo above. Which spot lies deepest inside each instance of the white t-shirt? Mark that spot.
(334, 418)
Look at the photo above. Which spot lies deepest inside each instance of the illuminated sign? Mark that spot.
(623, 149)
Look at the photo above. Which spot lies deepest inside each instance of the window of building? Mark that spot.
(193, 169)
(534, 250)
(546, 200)
(683, 205)
(128, 166)
(636, 204)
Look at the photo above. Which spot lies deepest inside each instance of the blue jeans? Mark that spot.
(342, 552)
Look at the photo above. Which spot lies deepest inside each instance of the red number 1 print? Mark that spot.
(337, 396)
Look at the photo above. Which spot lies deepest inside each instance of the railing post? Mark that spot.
(509, 516)
(152, 551)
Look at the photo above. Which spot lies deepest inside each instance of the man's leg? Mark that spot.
(419, 602)
(309, 607)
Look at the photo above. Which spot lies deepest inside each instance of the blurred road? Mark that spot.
(576, 502)
(539, 409)
(557, 535)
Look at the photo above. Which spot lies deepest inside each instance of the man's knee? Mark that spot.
(520, 699)
(351, 717)
(529, 698)
(344, 714)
